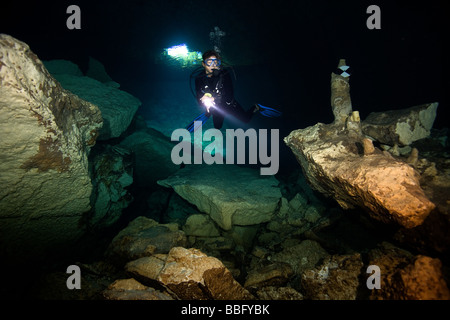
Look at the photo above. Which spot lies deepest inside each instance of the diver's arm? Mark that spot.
(200, 95)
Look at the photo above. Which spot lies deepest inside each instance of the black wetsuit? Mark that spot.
(221, 88)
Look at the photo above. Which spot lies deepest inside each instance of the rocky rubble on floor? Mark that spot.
(283, 258)
(289, 268)
(152, 261)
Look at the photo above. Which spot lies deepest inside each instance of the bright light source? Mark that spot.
(180, 51)
(181, 55)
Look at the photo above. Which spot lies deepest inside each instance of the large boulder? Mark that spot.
(150, 149)
(335, 164)
(339, 161)
(192, 275)
(96, 70)
(144, 237)
(245, 199)
(401, 127)
(200, 225)
(61, 66)
(130, 289)
(46, 135)
(117, 107)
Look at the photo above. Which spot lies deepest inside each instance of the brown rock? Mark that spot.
(146, 269)
(275, 274)
(144, 237)
(192, 275)
(368, 146)
(130, 289)
(338, 161)
(401, 127)
(408, 277)
(336, 279)
(388, 189)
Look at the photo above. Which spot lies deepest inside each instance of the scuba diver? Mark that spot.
(214, 91)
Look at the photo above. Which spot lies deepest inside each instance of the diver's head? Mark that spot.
(211, 62)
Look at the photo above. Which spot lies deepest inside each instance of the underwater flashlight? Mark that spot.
(208, 101)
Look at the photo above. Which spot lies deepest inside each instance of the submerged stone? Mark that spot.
(144, 237)
(231, 195)
(401, 127)
(46, 136)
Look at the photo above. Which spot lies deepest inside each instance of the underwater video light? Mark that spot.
(180, 54)
(208, 101)
(180, 51)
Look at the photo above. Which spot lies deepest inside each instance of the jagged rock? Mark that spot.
(260, 252)
(166, 206)
(192, 275)
(247, 199)
(212, 245)
(401, 127)
(432, 235)
(146, 269)
(189, 274)
(200, 225)
(389, 189)
(130, 289)
(301, 257)
(242, 236)
(112, 174)
(144, 237)
(61, 66)
(117, 107)
(301, 212)
(151, 149)
(96, 70)
(274, 274)
(337, 278)
(337, 161)
(46, 135)
(407, 277)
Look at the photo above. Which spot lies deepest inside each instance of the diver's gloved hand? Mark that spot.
(208, 101)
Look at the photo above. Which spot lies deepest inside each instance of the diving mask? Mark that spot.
(212, 62)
